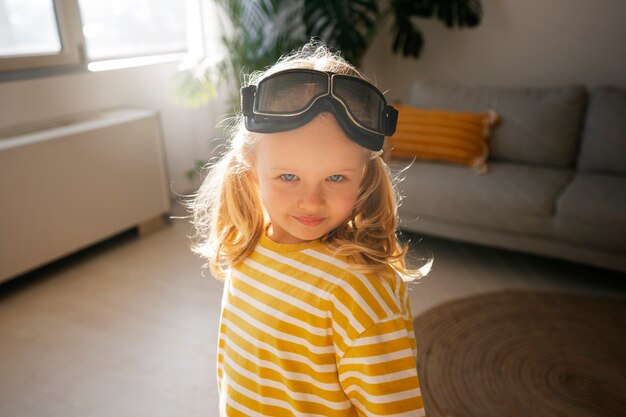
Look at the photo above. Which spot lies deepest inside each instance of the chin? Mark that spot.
(308, 235)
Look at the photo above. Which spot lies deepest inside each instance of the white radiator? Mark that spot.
(68, 183)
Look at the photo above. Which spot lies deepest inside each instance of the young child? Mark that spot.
(299, 218)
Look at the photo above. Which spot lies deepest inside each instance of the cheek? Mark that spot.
(344, 202)
(271, 196)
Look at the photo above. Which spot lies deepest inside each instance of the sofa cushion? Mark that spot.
(448, 136)
(604, 135)
(591, 211)
(512, 197)
(537, 125)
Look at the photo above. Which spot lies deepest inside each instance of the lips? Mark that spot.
(309, 220)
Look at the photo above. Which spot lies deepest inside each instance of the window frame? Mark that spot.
(72, 43)
(73, 55)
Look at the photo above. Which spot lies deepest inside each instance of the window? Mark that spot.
(29, 27)
(129, 28)
(36, 34)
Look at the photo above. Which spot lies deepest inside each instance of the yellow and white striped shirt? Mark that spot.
(301, 335)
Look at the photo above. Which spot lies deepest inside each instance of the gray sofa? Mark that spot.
(557, 174)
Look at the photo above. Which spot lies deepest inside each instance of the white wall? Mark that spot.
(187, 132)
(519, 43)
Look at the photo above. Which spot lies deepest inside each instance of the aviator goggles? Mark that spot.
(292, 98)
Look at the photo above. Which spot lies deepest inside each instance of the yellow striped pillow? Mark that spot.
(443, 135)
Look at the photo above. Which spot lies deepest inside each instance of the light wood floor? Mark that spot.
(128, 328)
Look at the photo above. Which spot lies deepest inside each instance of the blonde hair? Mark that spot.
(228, 213)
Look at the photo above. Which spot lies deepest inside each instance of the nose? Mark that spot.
(311, 198)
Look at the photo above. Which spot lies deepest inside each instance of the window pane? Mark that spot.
(28, 27)
(123, 28)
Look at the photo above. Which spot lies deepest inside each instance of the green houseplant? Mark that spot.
(263, 30)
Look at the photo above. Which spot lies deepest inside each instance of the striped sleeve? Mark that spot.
(378, 372)
(375, 344)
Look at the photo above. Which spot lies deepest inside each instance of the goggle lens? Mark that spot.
(290, 93)
(364, 103)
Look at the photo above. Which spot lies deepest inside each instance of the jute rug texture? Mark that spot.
(523, 353)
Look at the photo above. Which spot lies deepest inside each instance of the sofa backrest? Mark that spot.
(537, 125)
(603, 147)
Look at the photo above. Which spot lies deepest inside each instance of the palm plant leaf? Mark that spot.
(407, 37)
(347, 26)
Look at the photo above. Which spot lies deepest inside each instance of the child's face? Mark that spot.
(309, 179)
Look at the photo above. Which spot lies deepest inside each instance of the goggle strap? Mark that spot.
(247, 100)
(391, 120)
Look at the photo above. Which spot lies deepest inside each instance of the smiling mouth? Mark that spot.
(309, 220)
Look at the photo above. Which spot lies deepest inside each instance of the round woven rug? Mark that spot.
(522, 353)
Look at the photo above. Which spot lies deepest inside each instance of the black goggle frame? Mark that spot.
(366, 136)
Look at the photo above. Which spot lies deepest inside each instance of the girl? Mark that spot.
(299, 217)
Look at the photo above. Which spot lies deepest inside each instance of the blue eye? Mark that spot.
(335, 178)
(288, 177)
